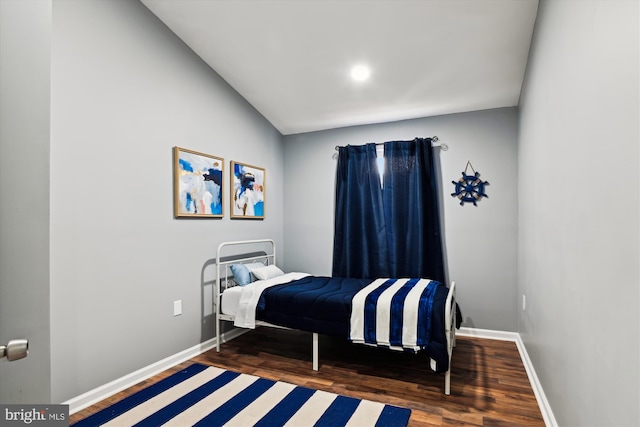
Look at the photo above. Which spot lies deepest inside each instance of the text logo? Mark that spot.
(34, 415)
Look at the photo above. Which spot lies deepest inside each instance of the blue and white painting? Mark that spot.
(247, 191)
(197, 184)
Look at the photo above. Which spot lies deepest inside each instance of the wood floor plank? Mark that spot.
(489, 385)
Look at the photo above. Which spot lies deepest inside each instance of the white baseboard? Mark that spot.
(97, 394)
(93, 396)
(543, 403)
(488, 334)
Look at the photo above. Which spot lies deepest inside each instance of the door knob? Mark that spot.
(16, 349)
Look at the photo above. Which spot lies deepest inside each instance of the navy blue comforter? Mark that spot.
(323, 305)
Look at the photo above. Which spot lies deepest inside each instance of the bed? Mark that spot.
(402, 314)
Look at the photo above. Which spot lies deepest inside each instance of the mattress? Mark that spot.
(230, 300)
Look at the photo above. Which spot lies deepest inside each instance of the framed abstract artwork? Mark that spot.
(247, 191)
(197, 184)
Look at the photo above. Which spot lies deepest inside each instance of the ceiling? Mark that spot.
(291, 59)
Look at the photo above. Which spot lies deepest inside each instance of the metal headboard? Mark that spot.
(223, 274)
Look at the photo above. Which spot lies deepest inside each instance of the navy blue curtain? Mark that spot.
(391, 230)
(411, 208)
(359, 248)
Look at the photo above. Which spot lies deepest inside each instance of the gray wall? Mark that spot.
(579, 212)
(125, 90)
(480, 241)
(25, 51)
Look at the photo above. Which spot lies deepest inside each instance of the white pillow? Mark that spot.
(252, 266)
(268, 272)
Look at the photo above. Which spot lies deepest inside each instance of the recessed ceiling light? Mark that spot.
(360, 73)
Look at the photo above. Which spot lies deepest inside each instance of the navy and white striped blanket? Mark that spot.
(394, 313)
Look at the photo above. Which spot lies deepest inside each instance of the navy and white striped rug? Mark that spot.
(208, 396)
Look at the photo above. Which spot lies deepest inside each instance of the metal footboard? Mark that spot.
(450, 330)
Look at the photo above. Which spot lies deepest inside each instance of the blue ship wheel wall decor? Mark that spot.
(470, 188)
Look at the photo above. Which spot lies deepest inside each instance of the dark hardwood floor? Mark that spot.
(489, 385)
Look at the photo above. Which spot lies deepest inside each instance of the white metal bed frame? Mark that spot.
(222, 282)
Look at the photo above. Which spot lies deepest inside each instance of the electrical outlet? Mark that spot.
(177, 307)
(524, 302)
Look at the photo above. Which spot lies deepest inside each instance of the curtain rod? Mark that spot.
(434, 143)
